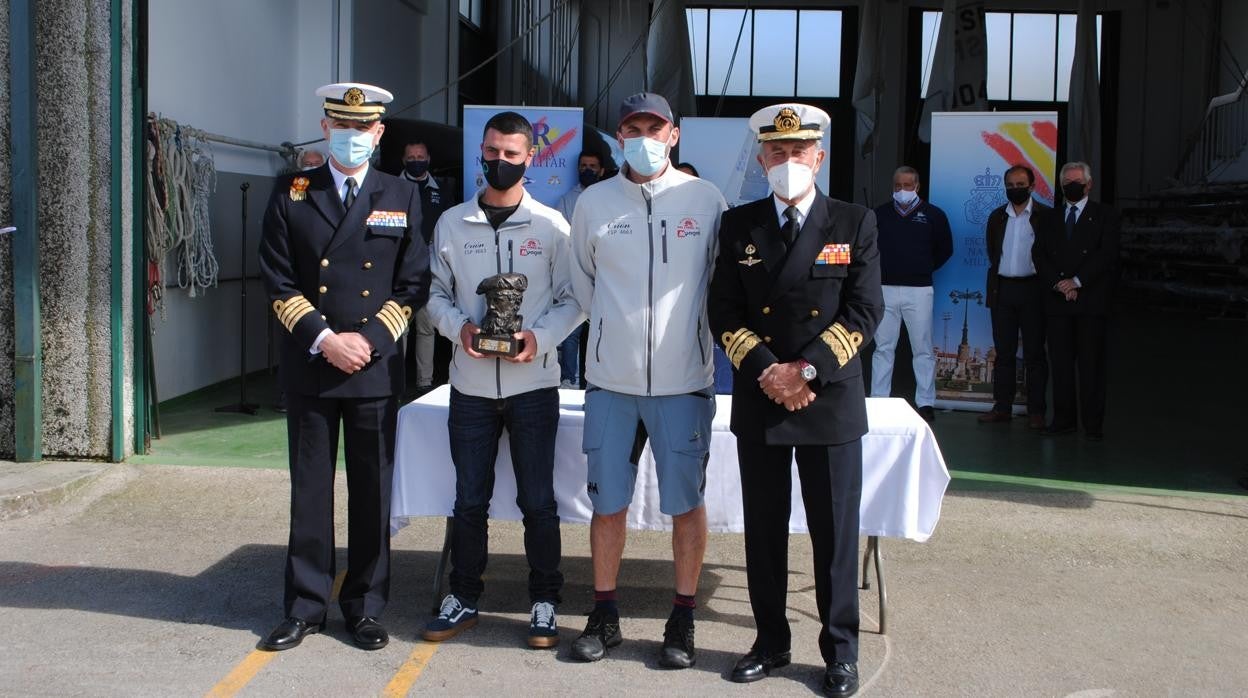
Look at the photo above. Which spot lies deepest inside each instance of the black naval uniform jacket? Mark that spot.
(365, 270)
(769, 308)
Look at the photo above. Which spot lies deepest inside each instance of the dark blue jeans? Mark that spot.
(476, 424)
(570, 357)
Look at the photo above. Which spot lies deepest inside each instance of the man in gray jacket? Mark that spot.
(643, 245)
(503, 230)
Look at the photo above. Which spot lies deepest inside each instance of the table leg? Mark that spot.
(866, 562)
(439, 573)
(879, 578)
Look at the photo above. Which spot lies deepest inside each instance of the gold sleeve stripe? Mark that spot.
(395, 328)
(290, 311)
(842, 342)
(738, 344)
(395, 318)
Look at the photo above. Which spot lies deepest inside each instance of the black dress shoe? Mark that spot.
(758, 665)
(1058, 429)
(367, 633)
(840, 680)
(289, 633)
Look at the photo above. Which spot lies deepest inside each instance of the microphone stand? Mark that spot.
(242, 406)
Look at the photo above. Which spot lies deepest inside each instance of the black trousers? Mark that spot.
(368, 428)
(1077, 345)
(1019, 306)
(831, 482)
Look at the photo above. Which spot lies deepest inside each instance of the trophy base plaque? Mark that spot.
(491, 345)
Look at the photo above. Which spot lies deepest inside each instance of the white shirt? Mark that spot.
(340, 184)
(340, 180)
(1077, 205)
(803, 208)
(1016, 246)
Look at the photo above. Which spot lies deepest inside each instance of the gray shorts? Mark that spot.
(617, 427)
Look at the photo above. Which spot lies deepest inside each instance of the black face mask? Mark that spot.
(500, 174)
(416, 168)
(1018, 195)
(1072, 191)
(588, 177)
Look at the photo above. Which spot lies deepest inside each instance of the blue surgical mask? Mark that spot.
(351, 148)
(645, 155)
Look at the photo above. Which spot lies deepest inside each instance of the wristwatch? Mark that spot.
(808, 371)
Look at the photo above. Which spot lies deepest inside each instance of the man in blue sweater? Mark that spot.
(915, 240)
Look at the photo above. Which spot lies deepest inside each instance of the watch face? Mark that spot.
(808, 372)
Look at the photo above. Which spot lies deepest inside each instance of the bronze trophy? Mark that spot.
(503, 294)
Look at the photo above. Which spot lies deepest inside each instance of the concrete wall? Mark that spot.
(72, 54)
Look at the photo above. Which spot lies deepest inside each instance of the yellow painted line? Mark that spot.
(242, 674)
(407, 674)
(246, 670)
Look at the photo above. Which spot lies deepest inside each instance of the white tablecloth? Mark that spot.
(903, 481)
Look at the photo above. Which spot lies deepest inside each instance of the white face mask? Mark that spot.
(905, 197)
(790, 179)
(645, 155)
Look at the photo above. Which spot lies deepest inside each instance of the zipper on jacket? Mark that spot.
(511, 258)
(701, 347)
(663, 225)
(498, 362)
(650, 294)
(598, 344)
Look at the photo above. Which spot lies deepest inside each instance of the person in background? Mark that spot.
(589, 172)
(915, 241)
(416, 164)
(688, 169)
(1076, 257)
(1015, 299)
(310, 159)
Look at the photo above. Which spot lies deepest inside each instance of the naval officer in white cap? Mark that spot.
(795, 295)
(345, 267)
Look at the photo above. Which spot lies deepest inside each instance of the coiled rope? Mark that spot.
(181, 177)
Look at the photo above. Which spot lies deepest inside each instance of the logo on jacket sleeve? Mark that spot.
(531, 247)
(687, 227)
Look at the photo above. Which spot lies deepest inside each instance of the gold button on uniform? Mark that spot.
(323, 289)
(767, 340)
(324, 318)
(364, 293)
(766, 309)
(324, 262)
(368, 265)
(814, 313)
(363, 319)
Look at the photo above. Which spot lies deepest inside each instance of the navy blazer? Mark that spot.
(364, 270)
(766, 307)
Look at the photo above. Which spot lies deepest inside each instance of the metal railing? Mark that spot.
(1221, 138)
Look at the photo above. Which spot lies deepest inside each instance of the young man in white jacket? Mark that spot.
(644, 245)
(503, 230)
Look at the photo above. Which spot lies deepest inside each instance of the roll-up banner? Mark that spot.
(970, 153)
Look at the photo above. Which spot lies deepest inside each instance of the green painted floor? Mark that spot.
(1177, 422)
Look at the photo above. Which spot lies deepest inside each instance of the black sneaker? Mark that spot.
(927, 413)
(601, 632)
(678, 642)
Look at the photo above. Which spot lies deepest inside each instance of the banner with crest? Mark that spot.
(970, 153)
